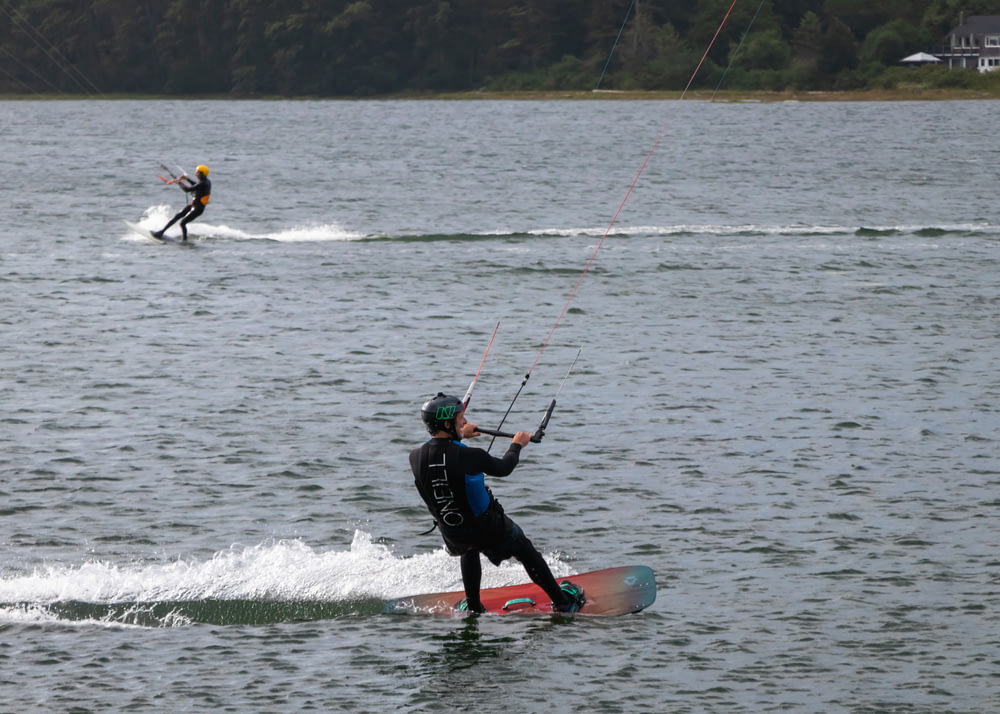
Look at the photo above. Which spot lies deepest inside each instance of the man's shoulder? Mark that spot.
(427, 445)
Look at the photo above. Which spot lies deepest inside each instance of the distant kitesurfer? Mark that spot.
(201, 191)
(450, 478)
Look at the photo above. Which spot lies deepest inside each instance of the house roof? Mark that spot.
(978, 25)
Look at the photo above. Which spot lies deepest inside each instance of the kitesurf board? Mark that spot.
(615, 591)
(144, 232)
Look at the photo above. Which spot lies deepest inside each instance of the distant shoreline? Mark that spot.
(867, 95)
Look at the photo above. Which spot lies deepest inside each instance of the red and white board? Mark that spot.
(615, 591)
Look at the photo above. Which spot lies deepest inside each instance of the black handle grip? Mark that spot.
(535, 438)
(540, 431)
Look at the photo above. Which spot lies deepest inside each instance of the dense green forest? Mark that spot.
(368, 47)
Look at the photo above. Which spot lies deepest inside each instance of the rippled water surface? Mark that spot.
(784, 401)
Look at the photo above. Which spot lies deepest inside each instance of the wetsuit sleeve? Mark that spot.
(479, 461)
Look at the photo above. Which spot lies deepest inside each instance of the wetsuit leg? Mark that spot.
(180, 214)
(472, 577)
(538, 570)
(196, 210)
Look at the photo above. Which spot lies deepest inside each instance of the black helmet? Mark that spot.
(442, 408)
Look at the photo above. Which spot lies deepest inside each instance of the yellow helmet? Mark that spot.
(202, 169)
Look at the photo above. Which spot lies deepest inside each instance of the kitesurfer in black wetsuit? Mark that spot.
(202, 192)
(450, 478)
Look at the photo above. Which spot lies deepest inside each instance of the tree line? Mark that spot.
(373, 47)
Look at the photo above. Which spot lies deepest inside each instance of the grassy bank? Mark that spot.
(868, 95)
(915, 93)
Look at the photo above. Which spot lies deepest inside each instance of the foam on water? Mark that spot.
(282, 571)
(155, 217)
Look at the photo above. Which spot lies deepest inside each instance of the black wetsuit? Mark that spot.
(202, 192)
(450, 478)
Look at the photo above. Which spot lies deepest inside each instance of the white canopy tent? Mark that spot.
(920, 57)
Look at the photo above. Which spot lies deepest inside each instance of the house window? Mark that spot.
(992, 41)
